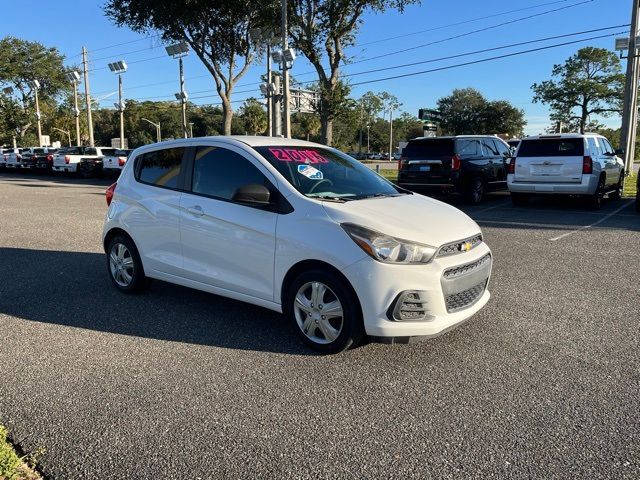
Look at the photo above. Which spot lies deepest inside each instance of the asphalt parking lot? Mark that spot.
(542, 383)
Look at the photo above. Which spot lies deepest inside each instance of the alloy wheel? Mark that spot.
(121, 264)
(318, 312)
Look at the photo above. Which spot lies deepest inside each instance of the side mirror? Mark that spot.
(252, 194)
(619, 151)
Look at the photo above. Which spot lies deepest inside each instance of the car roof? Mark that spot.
(238, 140)
(561, 135)
(453, 137)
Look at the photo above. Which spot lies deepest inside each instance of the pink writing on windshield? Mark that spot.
(301, 156)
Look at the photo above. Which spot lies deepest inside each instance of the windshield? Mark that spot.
(327, 174)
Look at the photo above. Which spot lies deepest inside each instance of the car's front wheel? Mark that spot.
(324, 312)
(474, 190)
(617, 192)
(595, 200)
(124, 265)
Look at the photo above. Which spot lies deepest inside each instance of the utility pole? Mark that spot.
(630, 107)
(87, 95)
(285, 74)
(269, 95)
(390, 133)
(38, 116)
(183, 100)
(121, 108)
(277, 112)
(360, 128)
(76, 111)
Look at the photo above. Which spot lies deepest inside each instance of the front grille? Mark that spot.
(466, 298)
(469, 267)
(460, 246)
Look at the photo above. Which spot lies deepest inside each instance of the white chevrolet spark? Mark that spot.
(298, 228)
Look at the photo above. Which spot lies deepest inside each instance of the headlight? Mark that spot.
(389, 249)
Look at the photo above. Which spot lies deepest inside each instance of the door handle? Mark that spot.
(196, 210)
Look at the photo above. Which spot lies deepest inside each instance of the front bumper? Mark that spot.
(587, 186)
(379, 285)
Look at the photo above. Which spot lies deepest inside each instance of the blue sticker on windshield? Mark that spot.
(310, 172)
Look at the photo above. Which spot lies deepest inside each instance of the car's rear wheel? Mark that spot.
(324, 312)
(124, 265)
(519, 199)
(595, 200)
(474, 190)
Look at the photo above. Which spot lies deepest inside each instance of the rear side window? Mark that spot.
(161, 168)
(605, 146)
(108, 152)
(218, 172)
(469, 148)
(490, 148)
(503, 148)
(555, 147)
(440, 147)
(594, 148)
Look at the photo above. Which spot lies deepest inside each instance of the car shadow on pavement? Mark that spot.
(57, 178)
(72, 289)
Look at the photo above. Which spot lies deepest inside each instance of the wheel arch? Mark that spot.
(305, 265)
(111, 234)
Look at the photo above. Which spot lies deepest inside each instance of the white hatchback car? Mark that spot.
(298, 228)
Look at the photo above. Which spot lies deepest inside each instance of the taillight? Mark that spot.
(67, 159)
(121, 161)
(49, 158)
(512, 165)
(455, 162)
(587, 165)
(109, 193)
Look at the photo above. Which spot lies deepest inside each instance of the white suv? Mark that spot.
(298, 228)
(570, 164)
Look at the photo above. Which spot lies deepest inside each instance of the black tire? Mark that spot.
(617, 193)
(519, 199)
(85, 170)
(474, 190)
(351, 332)
(595, 200)
(638, 202)
(139, 281)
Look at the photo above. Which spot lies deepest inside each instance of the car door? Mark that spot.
(612, 166)
(472, 157)
(494, 161)
(154, 217)
(227, 244)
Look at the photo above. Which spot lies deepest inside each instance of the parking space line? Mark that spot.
(606, 217)
(493, 207)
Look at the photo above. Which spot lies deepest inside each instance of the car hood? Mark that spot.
(409, 217)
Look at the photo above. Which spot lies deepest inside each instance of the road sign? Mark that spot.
(429, 114)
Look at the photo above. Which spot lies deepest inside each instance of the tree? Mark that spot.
(21, 62)
(467, 112)
(588, 83)
(321, 29)
(254, 117)
(308, 124)
(218, 32)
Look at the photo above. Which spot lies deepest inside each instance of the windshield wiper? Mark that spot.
(329, 198)
(374, 195)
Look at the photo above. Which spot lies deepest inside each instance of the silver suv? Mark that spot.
(566, 164)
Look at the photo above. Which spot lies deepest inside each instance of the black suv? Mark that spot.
(467, 164)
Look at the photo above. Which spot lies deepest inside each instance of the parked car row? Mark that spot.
(369, 155)
(583, 165)
(85, 162)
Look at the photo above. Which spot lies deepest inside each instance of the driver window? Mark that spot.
(218, 173)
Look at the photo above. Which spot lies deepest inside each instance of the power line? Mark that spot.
(485, 50)
(522, 52)
(428, 30)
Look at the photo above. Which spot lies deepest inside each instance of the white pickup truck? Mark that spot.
(67, 159)
(114, 163)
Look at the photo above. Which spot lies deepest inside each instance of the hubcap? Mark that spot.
(318, 312)
(121, 264)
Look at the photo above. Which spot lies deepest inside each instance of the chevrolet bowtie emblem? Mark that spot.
(465, 247)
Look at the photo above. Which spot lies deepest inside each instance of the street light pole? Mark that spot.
(35, 85)
(87, 96)
(76, 110)
(390, 132)
(179, 50)
(269, 95)
(66, 132)
(121, 108)
(183, 100)
(368, 151)
(285, 74)
(157, 125)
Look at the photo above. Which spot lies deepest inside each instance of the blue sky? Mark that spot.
(70, 24)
